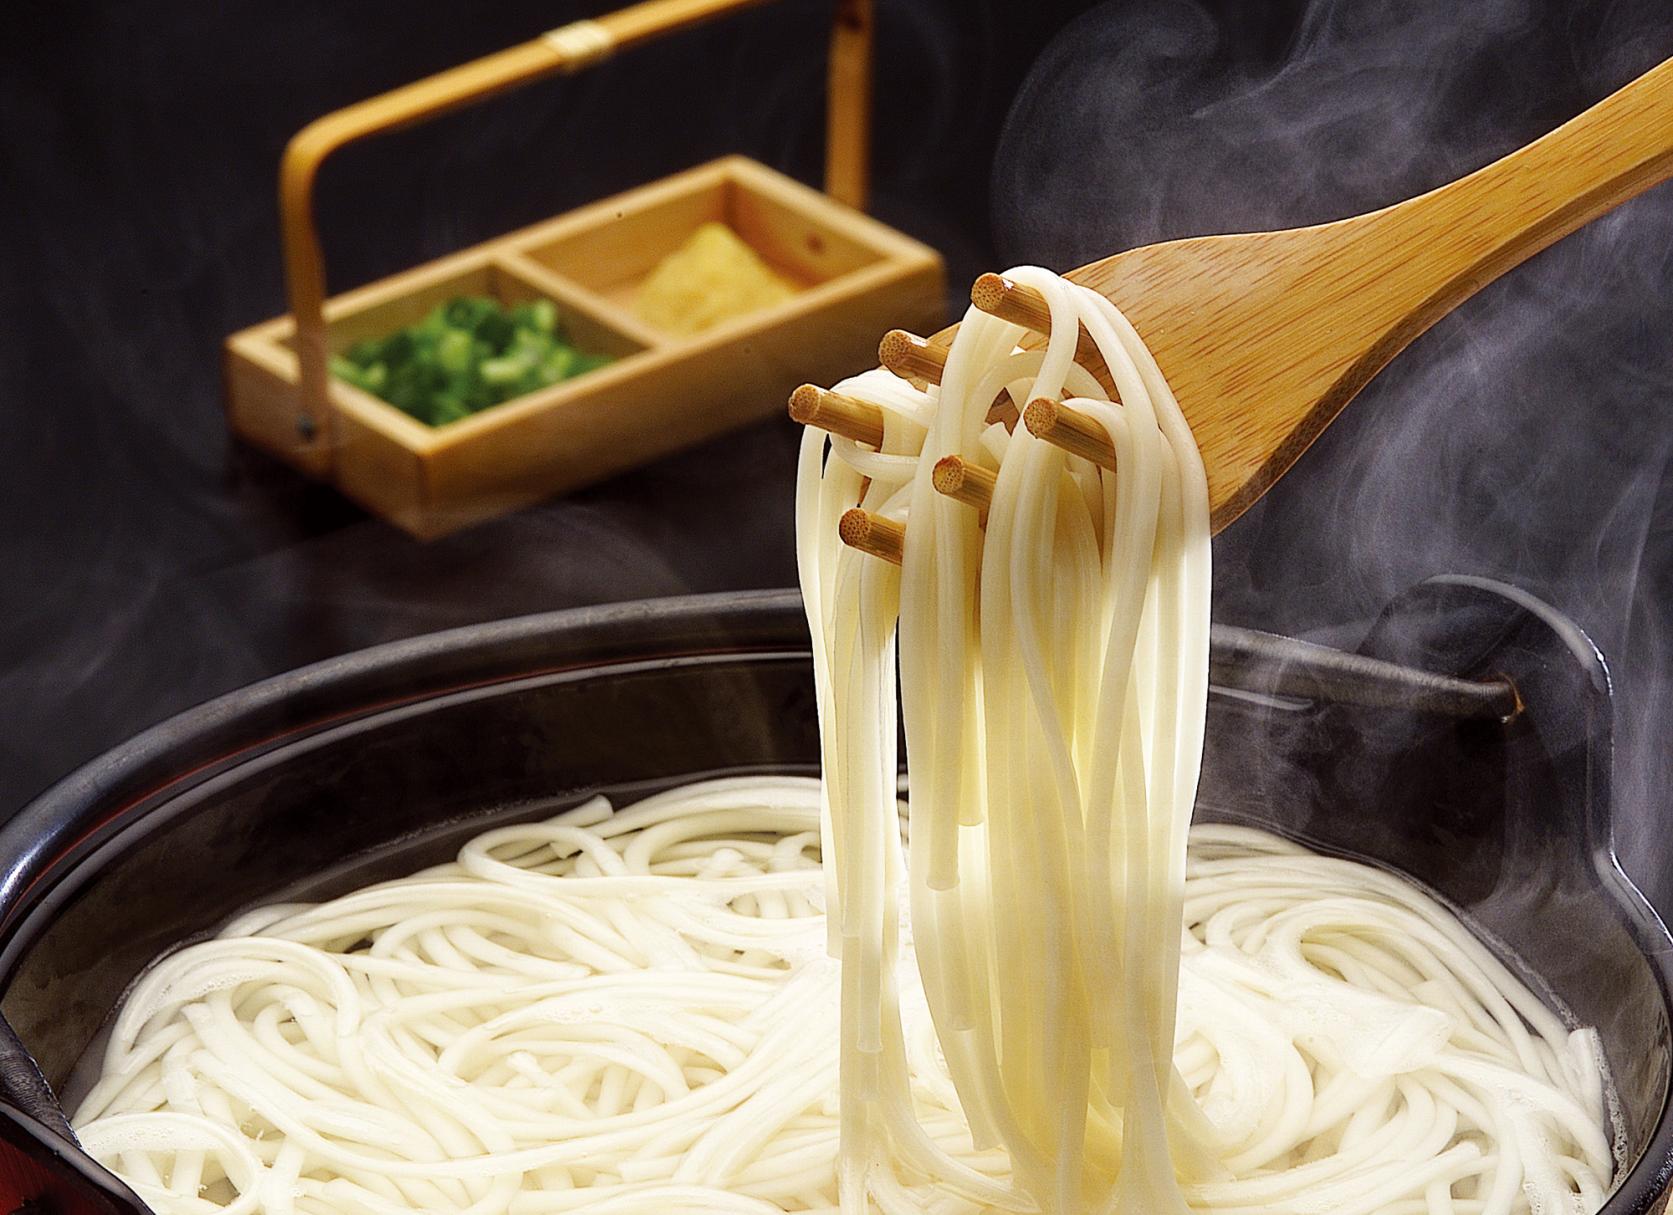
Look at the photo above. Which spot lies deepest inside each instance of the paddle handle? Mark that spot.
(1452, 241)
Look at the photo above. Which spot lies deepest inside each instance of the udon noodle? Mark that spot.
(636, 1014)
(1053, 667)
(643, 1011)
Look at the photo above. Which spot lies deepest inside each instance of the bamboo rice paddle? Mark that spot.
(1265, 336)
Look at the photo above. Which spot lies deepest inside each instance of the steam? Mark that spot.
(1528, 436)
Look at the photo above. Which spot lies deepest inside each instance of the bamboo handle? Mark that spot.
(566, 49)
(1452, 241)
(848, 104)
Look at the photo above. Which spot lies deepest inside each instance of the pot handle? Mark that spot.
(566, 49)
(42, 1166)
(23, 1086)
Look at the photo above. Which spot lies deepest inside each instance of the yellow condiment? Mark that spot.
(713, 277)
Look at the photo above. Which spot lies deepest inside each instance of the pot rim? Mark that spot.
(230, 728)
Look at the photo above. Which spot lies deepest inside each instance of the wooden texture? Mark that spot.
(664, 392)
(1024, 306)
(963, 481)
(311, 442)
(1071, 430)
(1264, 337)
(911, 357)
(873, 534)
(848, 416)
(848, 103)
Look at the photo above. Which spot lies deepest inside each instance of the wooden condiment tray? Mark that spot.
(856, 277)
(665, 392)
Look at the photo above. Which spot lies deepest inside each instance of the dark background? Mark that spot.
(147, 564)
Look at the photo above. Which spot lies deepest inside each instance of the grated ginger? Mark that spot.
(713, 277)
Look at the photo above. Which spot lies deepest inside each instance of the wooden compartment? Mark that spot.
(857, 278)
(800, 239)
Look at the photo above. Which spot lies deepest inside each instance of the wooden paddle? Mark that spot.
(1265, 336)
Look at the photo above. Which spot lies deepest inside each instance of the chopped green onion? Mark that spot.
(464, 356)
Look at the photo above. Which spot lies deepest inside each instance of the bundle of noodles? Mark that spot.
(1053, 672)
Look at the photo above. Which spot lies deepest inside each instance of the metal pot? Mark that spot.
(1467, 744)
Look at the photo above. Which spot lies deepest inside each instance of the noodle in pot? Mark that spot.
(636, 1014)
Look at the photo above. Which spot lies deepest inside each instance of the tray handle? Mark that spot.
(566, 49)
